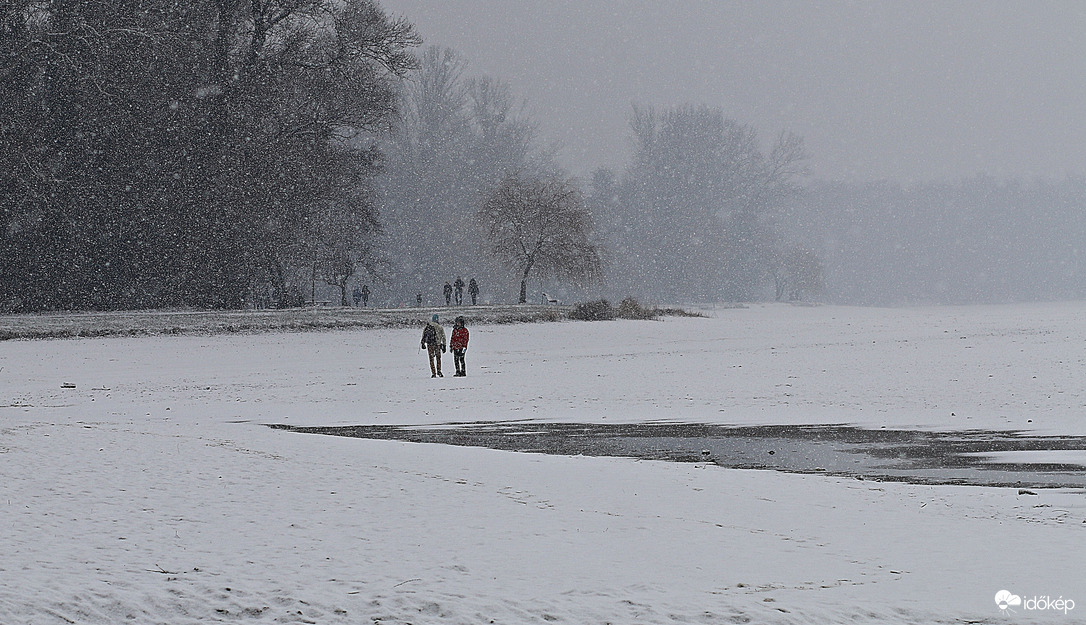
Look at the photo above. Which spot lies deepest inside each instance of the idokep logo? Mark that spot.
(1006, 600)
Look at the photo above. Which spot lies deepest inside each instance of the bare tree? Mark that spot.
(540, 223)
(694, 214)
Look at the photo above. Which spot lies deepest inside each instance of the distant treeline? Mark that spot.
(234, 153)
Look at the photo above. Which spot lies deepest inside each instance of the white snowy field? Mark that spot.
(138, 484)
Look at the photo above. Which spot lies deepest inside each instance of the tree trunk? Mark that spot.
(524, 281)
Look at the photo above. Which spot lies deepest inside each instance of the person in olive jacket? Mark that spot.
(459, 345)
(433, 341)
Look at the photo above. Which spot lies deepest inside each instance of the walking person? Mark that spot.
(458, 287)
(459, 345)
(473, 290)
(448, 294)
(365, 293)
(357, 296)
(433, 341)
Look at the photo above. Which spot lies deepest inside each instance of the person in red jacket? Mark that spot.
(459, 344)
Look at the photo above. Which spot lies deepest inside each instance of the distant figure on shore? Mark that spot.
(459, 345)
(473, 290)
(448, 294)
(458, 288)
(418, 300)
(365, 295)
(433, 341)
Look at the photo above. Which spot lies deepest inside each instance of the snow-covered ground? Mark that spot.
(138, 484)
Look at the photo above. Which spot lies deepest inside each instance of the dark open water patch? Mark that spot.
(973, 457)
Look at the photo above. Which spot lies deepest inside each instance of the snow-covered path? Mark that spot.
(151, 493)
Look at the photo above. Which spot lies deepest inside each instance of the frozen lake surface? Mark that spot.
(142, 484)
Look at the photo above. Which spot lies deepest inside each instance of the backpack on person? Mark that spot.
(429, 335)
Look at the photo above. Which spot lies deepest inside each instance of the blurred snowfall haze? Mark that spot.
(915, 91)
(945, 141)
(875, 153)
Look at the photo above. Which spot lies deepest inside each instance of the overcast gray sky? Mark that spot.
(910, 90)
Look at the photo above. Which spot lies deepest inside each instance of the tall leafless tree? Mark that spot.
(697, 205)
(457, 136)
